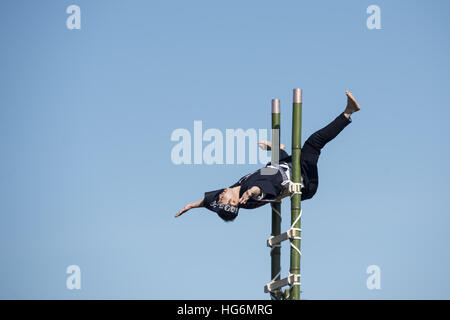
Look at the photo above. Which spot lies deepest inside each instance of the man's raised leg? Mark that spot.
(315, 143)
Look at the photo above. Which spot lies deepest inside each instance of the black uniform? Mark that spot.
(273, 183)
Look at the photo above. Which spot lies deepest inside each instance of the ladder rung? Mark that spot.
(276, 285)
(290, 234)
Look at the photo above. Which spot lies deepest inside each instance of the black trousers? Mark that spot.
(311, 151)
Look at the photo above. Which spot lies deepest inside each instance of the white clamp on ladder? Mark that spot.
(291, 280)
(274, 241)
(295, 188)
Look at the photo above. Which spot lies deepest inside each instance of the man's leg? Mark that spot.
(315, 143)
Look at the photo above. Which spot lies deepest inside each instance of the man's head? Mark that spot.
(228, 197)
(219, 201)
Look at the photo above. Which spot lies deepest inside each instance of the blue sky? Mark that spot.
(86, 172)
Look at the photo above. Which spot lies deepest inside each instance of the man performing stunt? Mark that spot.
(271, 183)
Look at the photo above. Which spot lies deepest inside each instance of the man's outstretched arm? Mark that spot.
(189, 206)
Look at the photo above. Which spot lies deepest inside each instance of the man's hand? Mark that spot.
(186, 208)
(253, 191)
(189, 206)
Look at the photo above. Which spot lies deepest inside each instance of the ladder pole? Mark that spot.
(275, 252)
(296, 178)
